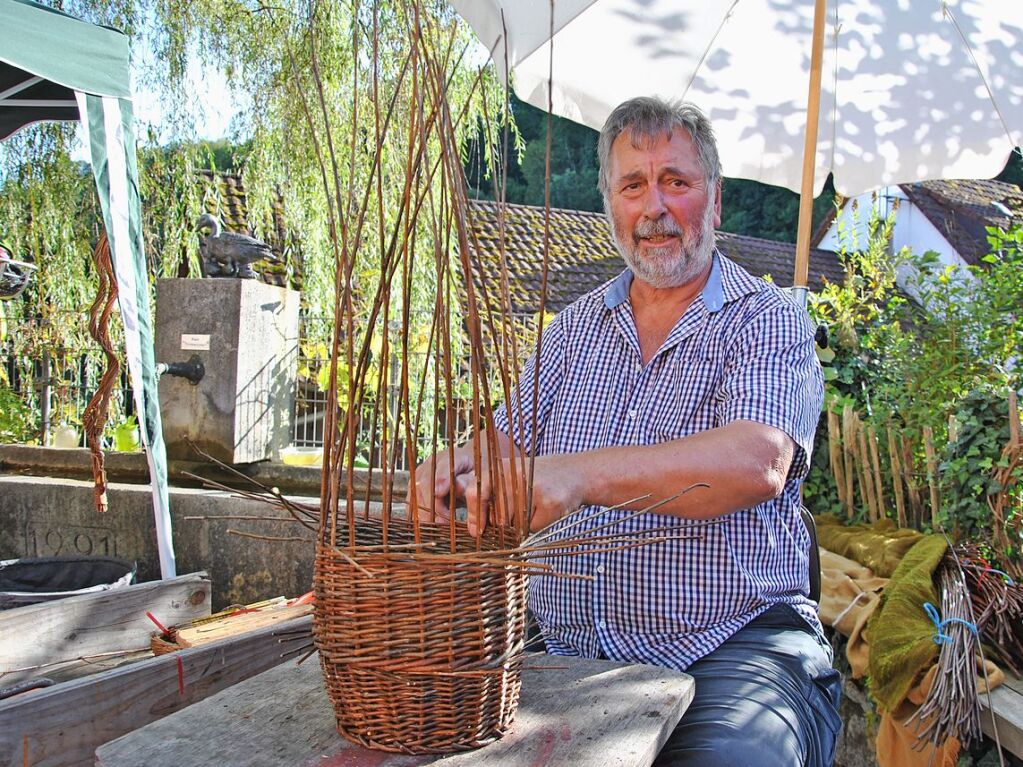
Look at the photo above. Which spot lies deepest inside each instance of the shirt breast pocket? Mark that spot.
(687, 400)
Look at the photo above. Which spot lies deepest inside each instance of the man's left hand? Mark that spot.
(558, 489)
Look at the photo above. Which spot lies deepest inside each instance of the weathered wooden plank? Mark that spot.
(573, 713)
(92, 624)
(1007, 704)
(1013, 683)
(216, 629)
(63, 725)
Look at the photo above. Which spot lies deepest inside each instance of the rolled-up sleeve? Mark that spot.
(772, 376)
(516, 416)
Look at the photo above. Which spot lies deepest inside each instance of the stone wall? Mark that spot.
(54, 515)
(44, 516)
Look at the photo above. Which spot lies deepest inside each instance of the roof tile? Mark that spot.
(962, 210)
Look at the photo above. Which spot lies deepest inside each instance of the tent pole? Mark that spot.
(813, 109)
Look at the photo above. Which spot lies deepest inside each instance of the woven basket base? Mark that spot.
(419, 656)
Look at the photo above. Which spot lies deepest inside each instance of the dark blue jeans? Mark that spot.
(767, 697)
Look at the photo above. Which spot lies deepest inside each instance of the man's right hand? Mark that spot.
(430, 491)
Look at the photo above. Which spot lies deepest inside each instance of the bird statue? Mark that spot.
(229, 254)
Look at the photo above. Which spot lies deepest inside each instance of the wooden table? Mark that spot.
(572, 712)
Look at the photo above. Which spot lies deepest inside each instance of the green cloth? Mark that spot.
(879, 546)
(64, 49)
(900, 633)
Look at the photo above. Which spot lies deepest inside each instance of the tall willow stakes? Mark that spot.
(420, 627)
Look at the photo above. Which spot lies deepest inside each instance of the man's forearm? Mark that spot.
(744, 464)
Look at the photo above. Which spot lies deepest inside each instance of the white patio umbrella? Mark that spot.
(908, 90)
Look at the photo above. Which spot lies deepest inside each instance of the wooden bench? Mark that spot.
(1006, 702)
(64, 724)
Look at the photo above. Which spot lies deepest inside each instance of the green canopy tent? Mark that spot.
(56, 67)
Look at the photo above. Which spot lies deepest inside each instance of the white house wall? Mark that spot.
(912, 229)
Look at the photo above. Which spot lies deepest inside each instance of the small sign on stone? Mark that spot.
(195, 342)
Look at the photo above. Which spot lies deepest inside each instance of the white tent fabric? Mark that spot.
(911, 90)
(107, 122)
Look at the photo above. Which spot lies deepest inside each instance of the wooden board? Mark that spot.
(573, 713)
(241, 622)
(64, 724)
(1013, 683)
(1007, 703)
(92, 624)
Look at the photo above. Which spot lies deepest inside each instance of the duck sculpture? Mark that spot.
(229, 254)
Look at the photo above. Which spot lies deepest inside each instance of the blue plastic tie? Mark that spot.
(941, 637)
(1008, 578)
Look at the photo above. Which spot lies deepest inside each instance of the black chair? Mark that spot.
(815, 554)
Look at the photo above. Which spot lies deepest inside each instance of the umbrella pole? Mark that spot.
(813, 108)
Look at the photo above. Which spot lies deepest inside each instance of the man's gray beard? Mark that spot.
(694, 252)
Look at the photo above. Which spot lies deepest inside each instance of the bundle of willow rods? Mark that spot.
(998, 605)
(952, 707)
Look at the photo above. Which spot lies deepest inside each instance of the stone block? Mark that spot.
(245, 333)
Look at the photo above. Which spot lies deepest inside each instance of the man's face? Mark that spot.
(662, 213)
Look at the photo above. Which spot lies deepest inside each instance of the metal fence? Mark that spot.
(54, 384)
(311, 407)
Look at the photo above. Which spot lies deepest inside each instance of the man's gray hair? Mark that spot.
(648, 116)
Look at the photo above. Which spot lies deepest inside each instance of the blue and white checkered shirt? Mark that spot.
(742, 351)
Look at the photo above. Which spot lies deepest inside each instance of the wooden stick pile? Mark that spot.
(879, 472)
(952, 707)
(998, 607)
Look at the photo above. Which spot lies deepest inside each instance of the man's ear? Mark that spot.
(717, 204)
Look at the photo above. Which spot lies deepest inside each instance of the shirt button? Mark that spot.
(601, 624)
(600, 569)
(632, 414)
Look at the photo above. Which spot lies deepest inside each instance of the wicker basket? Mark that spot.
(419, 655)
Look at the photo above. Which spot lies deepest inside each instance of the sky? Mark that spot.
(213, 105)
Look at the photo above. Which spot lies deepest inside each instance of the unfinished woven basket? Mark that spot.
(420, 655)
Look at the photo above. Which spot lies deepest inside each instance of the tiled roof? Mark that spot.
(961, 211)
(583, 255)
(778, 259)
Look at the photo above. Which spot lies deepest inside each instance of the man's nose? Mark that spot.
(653, 203)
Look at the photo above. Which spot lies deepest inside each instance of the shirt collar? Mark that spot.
(713, 292)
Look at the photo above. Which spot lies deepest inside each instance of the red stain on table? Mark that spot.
(545, 748)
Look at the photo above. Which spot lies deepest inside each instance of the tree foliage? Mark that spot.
(281, 57)
(748, 207)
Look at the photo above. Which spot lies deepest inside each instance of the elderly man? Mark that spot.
(683, 370)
